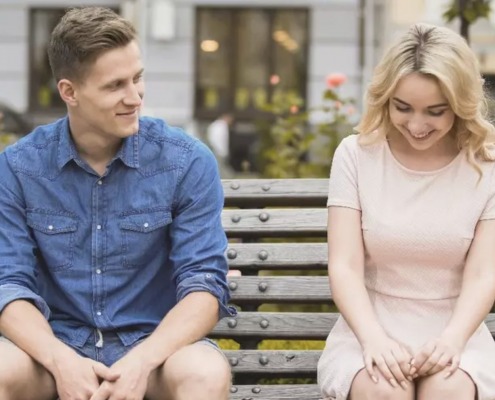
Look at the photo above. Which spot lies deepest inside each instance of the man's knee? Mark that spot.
(198, 370)
(21, 377)
(201, 365)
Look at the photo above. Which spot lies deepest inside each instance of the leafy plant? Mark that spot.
(468, 11)
(292, 146)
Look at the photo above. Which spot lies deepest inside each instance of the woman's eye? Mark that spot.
(437, 113)
(402, 109)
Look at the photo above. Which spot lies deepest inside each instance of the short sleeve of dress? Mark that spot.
(343, 183)
(489, 211)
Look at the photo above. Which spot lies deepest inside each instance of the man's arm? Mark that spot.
(23, 313)
(198, 244)
(197, 255)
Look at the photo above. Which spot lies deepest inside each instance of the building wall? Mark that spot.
(402, 14)
(334, 47)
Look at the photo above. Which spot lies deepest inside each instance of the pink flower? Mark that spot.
(335, 80)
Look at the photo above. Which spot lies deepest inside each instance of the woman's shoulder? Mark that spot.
(357, 144)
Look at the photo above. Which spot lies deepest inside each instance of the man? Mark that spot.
(111, 245)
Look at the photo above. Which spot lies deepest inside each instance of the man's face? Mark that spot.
(108, 100)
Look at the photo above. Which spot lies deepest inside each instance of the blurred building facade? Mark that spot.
(205, 58)
(202, 57)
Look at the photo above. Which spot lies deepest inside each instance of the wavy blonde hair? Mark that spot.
(440, 53)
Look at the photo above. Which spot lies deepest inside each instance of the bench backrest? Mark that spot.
(277, 227)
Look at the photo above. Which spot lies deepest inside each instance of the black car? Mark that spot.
(13, 122)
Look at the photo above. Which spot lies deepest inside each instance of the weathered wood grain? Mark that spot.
(261, 193)
(286, 256)
(280, 289)
(273, 361)
(276, 325)
(275, 222)
(275, 392)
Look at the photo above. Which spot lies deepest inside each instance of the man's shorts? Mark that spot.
(107, 348)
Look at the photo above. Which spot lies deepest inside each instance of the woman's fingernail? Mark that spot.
(374, 379)
(412, 361)
(404, 385)
(413, 371)
(393, 382)
(410, 378)
(415, 376)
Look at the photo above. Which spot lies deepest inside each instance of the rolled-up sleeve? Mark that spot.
(197, 236)
(17, 247)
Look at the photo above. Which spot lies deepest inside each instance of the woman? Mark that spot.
(411, 232)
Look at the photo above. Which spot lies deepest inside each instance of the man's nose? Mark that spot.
(133, 96)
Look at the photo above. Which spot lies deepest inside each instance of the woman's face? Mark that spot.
(420, 112)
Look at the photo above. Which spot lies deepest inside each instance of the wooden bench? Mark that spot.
(277, 226)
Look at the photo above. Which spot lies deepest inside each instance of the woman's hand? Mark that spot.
(391, 358)
(436, 355)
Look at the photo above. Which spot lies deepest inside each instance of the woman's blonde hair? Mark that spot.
(440, 53)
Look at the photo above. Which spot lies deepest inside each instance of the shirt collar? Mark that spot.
(128, 152)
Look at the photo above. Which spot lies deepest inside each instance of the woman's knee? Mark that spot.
(363, 388)
(458, 386)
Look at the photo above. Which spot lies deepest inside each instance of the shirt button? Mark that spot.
(146, 224)
(50, 227)
(98, 227)
(100, 183)
(98, 313)
(98, 271)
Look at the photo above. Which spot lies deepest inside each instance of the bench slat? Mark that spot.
(275, 192)
(276, 325)
(280, 222)
(277, 255)
(278, 289)
(273, 361)
(275, 392)
(287, 325)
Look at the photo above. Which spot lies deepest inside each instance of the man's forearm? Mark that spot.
(23, 324)
(190, 320)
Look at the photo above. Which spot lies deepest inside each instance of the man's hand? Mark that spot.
(77, 378)
(134, 373)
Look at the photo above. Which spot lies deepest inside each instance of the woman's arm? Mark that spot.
(474, 303)
(346, 274)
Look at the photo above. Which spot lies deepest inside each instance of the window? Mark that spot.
(42, 86)
(244, 57)
(43, 93)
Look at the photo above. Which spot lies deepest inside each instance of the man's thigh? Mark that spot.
(21, 377)
(201, 362)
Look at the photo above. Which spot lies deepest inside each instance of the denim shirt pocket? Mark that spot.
(142, 234)
(54, 235)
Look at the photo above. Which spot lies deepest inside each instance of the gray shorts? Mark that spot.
(107, 348)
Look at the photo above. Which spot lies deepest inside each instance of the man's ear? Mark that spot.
(67, 91)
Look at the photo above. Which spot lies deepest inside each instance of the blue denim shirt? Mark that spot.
(115, 252)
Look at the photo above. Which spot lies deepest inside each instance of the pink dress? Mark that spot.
(417, 230)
